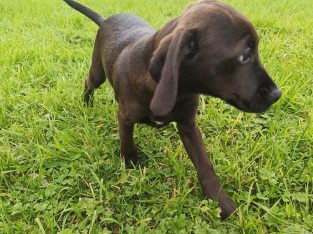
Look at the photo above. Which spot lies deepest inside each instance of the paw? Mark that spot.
(131, 163)
(88, 95)
(88, 98)
(227, 207)
(130, 158)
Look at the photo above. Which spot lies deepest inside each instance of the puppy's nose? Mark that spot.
(274, 95)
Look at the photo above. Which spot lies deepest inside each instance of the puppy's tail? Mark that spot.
(95, 17)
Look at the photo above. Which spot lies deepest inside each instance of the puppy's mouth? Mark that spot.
(258, 103)
(246, 106)
(233, 103)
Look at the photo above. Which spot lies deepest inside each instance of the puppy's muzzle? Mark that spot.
(270, 94)
(274, 95)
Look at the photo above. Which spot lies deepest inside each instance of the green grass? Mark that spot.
(59, 162)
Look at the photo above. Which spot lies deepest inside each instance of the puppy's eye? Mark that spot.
(245, 56)
(192, 46)
(192, 49)
(251, 44)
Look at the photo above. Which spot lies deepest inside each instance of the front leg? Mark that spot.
(128, 148)
(192, 140)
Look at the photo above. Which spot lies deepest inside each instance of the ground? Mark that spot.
(60, 163)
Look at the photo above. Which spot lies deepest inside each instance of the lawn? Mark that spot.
(60, 164)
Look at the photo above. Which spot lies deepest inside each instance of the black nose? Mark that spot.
(274, 95)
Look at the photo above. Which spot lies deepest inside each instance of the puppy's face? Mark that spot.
(225, 62)
(215, 52)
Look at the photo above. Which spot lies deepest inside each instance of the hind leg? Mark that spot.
(96, 76)
(128, 147)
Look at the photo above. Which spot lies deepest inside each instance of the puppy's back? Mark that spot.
(116, 33)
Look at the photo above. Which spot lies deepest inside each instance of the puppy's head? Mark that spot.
(211, 49)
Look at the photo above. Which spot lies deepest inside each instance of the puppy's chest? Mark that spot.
(155, 121)
(182, 111)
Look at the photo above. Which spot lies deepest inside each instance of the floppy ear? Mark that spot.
(164, 69)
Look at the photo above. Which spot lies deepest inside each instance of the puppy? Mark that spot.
(157, 76)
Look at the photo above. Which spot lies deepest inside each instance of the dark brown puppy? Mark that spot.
(157, 76)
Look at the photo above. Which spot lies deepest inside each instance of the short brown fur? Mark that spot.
(158, 76)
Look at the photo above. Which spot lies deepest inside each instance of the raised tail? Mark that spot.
(95, 17)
